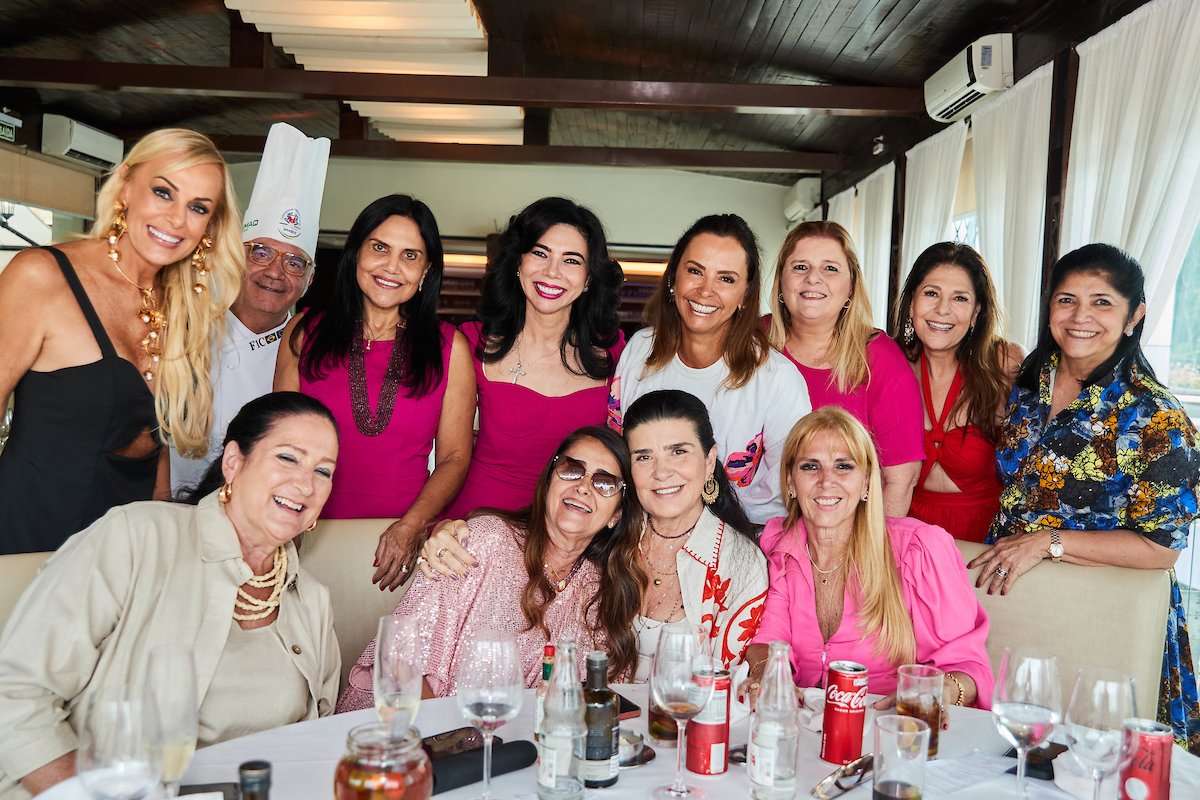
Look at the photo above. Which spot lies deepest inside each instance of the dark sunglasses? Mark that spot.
(264, 255)
(605, 484)
(844, 778)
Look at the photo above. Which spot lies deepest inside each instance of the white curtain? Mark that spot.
(875, 201)
(930, 180)
(1134, 169)
(1011, 146)
(843, 209)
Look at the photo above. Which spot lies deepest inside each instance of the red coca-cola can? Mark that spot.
(845, 712)
(1148, 774)
(708, 732)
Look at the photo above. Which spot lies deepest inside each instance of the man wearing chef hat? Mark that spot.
(279, 230)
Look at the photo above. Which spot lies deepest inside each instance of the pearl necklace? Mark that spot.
(246, 607)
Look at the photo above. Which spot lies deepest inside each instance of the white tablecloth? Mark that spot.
(304, 755)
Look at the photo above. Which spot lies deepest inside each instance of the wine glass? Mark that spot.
(1027, 702)
(398, 673)
(681, 683)
(173, 686)
(119, 756)
(491, 685)
(1095, 723)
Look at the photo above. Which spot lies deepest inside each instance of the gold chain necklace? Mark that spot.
(246, 607)
(149, 313)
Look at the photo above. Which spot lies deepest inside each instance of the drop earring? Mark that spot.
(909, 331)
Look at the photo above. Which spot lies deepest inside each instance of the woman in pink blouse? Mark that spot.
(565, 566)
(848, 583)
(821, 320)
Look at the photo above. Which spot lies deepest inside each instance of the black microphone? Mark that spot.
(463, 769)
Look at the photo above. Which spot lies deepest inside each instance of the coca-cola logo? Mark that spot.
(851, 700)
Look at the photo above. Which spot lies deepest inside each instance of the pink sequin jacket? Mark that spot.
(449, 612)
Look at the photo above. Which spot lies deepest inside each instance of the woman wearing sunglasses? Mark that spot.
(564, 566)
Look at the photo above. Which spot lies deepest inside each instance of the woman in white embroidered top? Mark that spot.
(696, 545)
(704, 338)
(220, 577)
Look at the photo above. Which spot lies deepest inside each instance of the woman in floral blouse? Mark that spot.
(1099, 461)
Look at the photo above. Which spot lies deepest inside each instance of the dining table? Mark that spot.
(304, 755)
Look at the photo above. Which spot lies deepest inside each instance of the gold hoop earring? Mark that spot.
(225, 493)
(200, 262)
(710, 491)
(312, 527)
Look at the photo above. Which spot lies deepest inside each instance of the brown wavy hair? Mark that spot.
(853, 329)
(618, 599)
(746, 346)
(981, 353)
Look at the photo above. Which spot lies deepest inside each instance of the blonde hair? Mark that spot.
(873, 568)
(184, 400)
(853, 329)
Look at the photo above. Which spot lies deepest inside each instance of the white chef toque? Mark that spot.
(286, 202)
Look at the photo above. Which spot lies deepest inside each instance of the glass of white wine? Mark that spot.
(119, 753)
(491, 686)
(398, 673)
(681, 683)
(1027, 702)
(173, 686)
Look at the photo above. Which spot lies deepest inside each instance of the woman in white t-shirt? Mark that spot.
(704, 339)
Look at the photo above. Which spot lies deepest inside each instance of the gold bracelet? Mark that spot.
(958, 701)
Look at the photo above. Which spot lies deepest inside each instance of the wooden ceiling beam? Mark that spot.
(870, 101)
(719, 160)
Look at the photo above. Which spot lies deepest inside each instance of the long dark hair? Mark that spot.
(746, 346)
(666, 404)
(593, 324)
(328, 330)
(248, 427)
(614, 550)
(1124, 274)
(981, 351)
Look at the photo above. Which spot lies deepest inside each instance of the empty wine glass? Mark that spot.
(1027, 702)
(119, 756)
(681, 683)
(398, 673)
(173, 686)
(1095, 723)
(491, 686)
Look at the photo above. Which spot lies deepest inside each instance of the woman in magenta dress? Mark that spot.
(821, 320)
(947, 326)
(545, 350)
(397, 380)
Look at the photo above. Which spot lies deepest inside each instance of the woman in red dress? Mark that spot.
(947, 322)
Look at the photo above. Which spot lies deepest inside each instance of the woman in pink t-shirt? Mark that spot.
(821, 320)
(849, 584)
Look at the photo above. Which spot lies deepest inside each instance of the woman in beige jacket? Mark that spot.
(220, 576)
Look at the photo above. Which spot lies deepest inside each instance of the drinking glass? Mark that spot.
(1095, 723)
(173, 687)
(491, 685)
(119, 756)
(901, 750)
(1027, 702)
(919, 694)
(681, 683)
(398, 673)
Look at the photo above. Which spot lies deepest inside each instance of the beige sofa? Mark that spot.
(1087, 616)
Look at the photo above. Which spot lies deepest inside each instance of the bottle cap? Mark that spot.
(597, 657)
(255, 775)
(548, 651)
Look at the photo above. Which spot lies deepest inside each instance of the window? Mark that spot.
(964, 229)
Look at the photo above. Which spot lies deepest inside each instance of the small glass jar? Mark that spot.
(378, 767)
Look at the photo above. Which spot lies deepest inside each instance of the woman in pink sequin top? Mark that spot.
(565, 566)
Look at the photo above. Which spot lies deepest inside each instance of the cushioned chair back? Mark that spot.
(340, 553)
(16, 573)
(1087, 616)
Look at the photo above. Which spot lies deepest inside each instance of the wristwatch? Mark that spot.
(1056, 548)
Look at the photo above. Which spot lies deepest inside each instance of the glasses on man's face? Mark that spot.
(844, 778)
(606, 484)
(264, 255)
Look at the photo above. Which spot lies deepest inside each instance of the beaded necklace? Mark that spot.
(246, 607)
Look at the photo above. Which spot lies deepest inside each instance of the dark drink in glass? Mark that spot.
(927, 709)
(664, 732)
(895, 790)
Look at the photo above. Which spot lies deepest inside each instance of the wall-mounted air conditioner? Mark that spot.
(986, 66)
(65, 138)
(801, 198)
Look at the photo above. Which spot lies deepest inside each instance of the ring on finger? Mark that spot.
(441, 551)
(1002, 572)
(421, 560)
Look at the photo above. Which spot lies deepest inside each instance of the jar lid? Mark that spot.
(375, 738)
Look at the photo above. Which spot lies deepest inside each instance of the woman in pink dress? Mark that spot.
(545, 349)
(397, 380)
(821, 320)
(564, 566)
(946, 322)
(846, 583)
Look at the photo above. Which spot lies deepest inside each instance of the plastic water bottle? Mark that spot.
(563, 731)
(774, 731)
